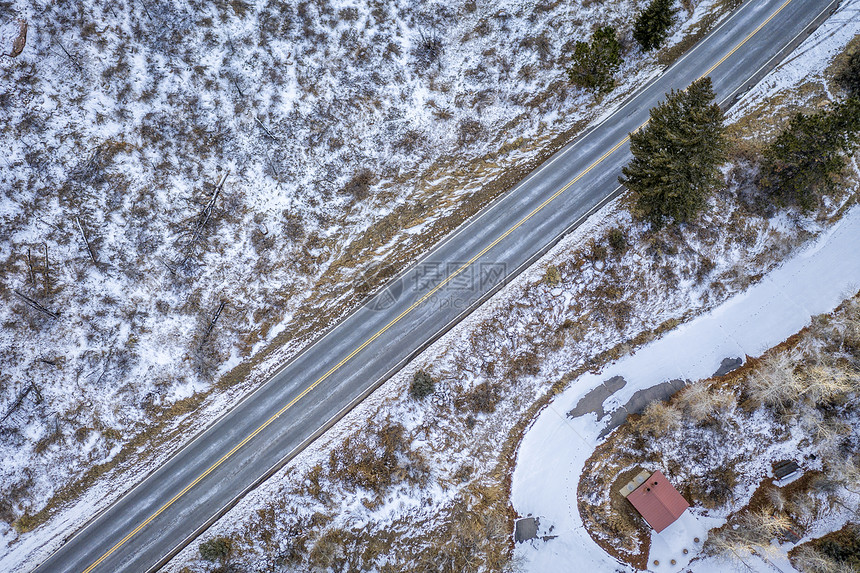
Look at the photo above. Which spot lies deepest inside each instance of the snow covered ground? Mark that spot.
(517, 324)
(516, 327)
(119, 118)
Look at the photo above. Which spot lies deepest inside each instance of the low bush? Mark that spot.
(470, 131)
(358, 187)
(378, 461)
(839, 550)
(617, 241)
(848, 77)
(481, 399)
(216, 549)
(422, 385)
(428, 51)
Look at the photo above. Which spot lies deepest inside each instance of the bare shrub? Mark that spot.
(216, 549)
(540, 44)
(776, 498)
(470, 131)
(698, 402)
(824, 383)
(481, 399)
(329, 552)
(774, 383)
(348, 14)
(292, 226)
(428, 50)
(660, 417)
(596, 252)
(553, 276)
(411, 140)
(808, 560)
(380, 460)
(472, 536)
(358, 187)
(617, 240)
(718, 486)
(824, 430)
(835, 552)
(845, 470)
(805, 509)
(527, 73)
(750, 533)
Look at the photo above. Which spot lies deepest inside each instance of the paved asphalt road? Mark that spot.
(165, 511)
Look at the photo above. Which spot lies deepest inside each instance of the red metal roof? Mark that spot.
(658, 502)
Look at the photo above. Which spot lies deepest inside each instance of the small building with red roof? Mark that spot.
(655, 499)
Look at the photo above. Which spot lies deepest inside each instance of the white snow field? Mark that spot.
(555, 448)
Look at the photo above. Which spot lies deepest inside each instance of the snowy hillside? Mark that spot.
(184, 183)
(442, 500)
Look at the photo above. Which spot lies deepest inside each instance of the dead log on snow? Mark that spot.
(204, 217)
(36, 305)
(86, 241)
(212, 323)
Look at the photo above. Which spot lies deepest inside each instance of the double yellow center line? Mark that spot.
(397, 319)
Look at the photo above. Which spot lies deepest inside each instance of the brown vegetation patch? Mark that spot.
(837, 551)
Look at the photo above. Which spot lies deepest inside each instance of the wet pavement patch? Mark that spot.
(639, 400)
(526, 529)
(728, 365)
(593, 401)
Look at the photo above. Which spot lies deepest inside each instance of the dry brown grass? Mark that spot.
(375, 461)
(162, 430)
(618, 519)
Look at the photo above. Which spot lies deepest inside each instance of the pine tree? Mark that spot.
(595, 64)
(849, 76)
(653, 23)
(676, 156)
(806, 158)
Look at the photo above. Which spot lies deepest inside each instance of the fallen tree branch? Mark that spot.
(32, 274)
(204, 216)
(72, 58)
(84, 235)
(212, 323)
(269, 133)
(36, 305)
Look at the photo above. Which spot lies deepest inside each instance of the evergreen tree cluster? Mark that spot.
(805, 159)
(842, 546)
(676, 156)
(594, 65)
(653, 23)
(849, 76)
